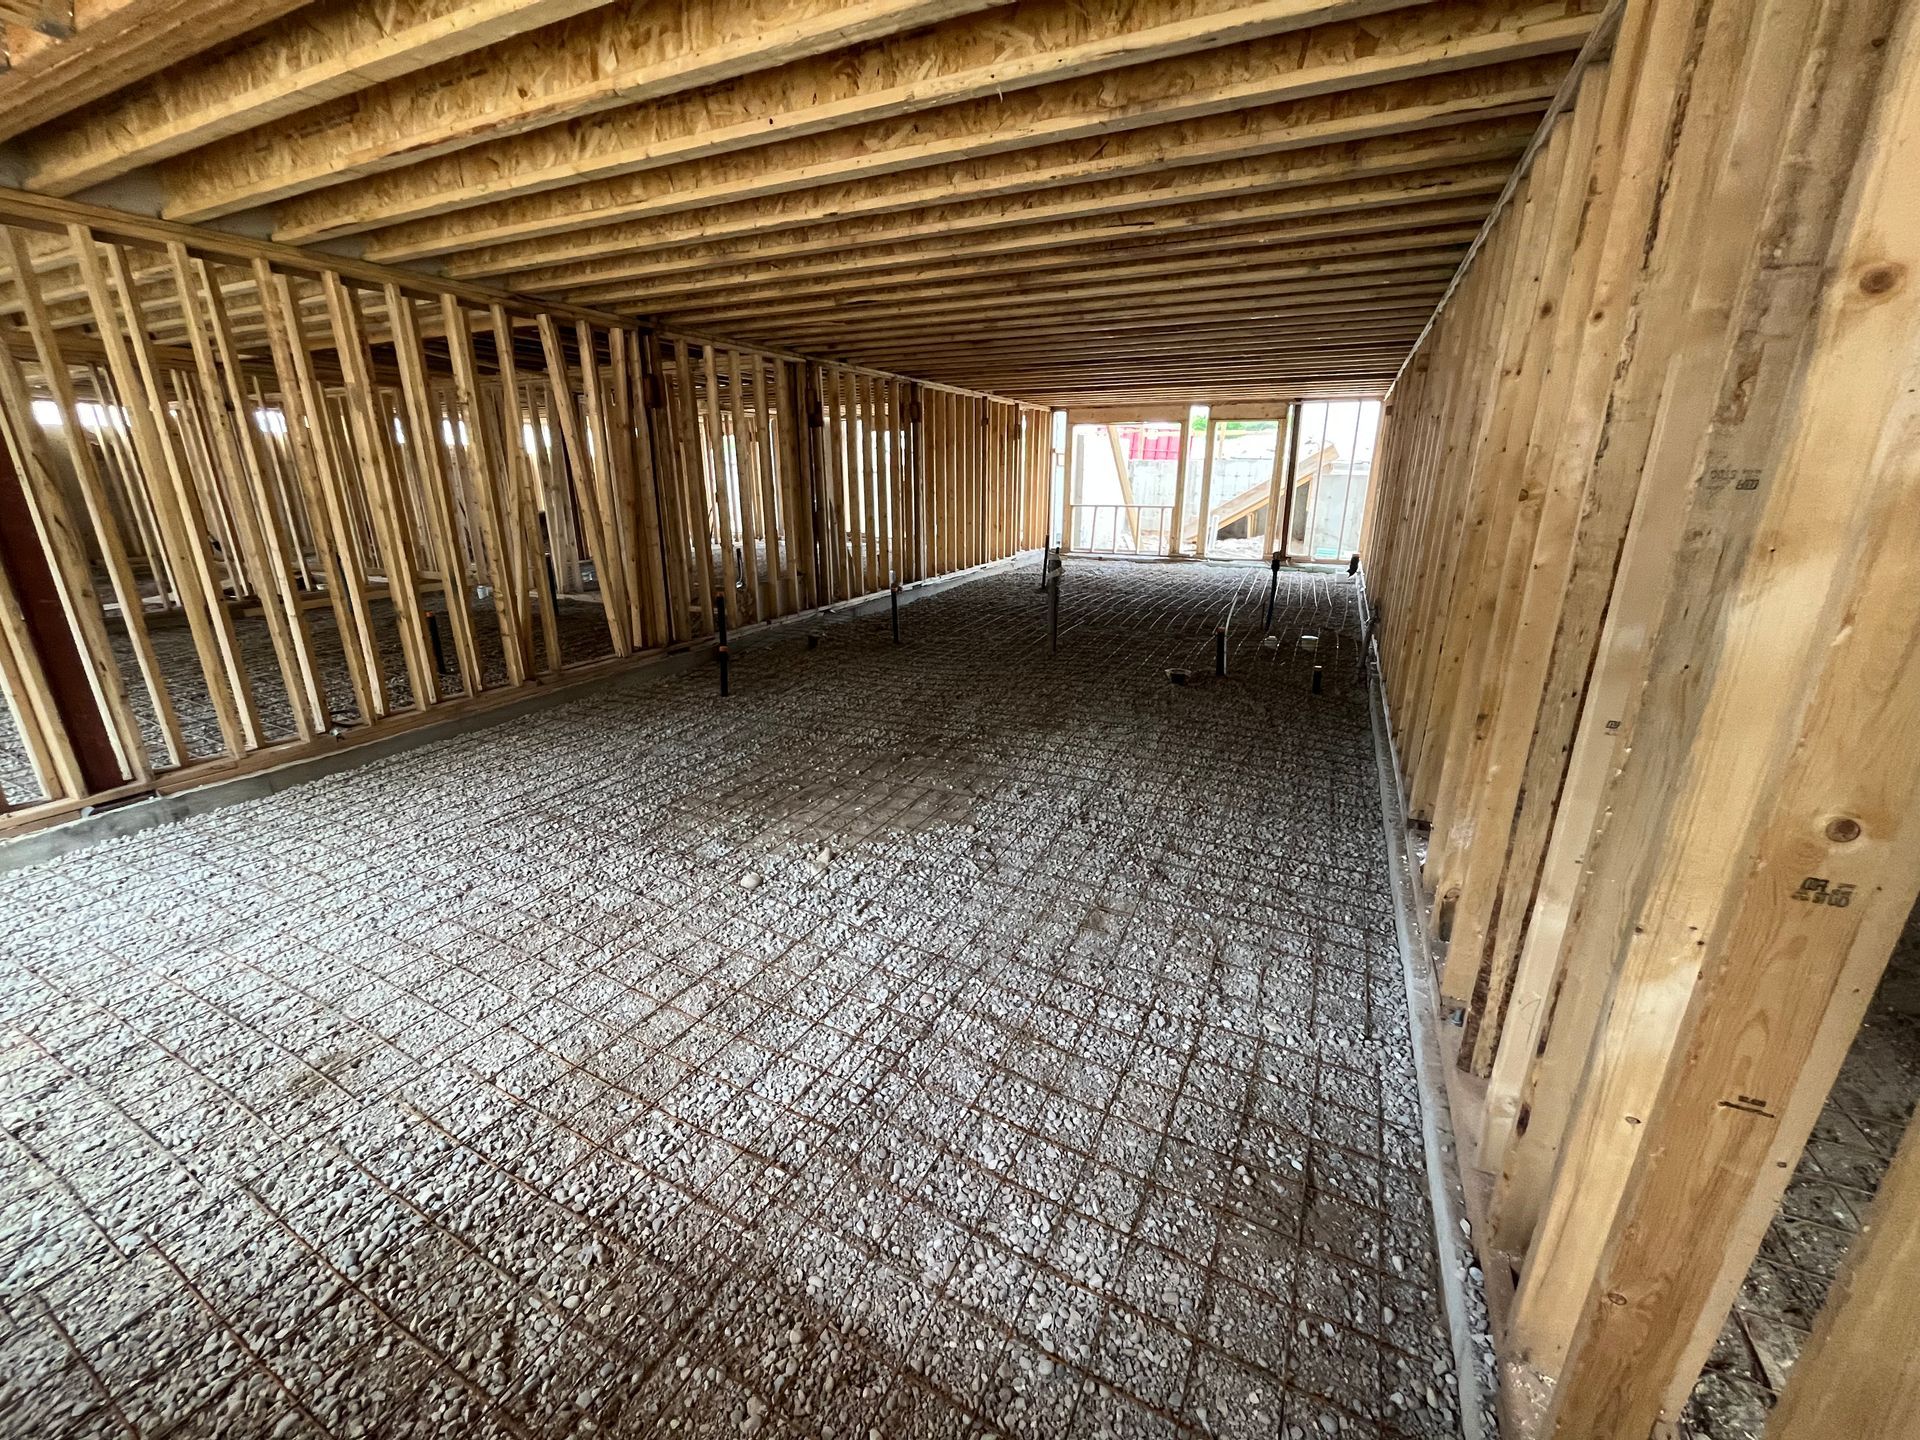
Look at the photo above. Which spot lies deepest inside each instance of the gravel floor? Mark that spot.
(927, 1041)
(581, 623)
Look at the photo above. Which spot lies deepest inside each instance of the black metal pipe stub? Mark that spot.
(725, 657)
(1273, 590)
(893, 602)
(439, 646)
(1220, 651)
(1316, 680)
(1053, 560)
(720, 651)
(546, 561)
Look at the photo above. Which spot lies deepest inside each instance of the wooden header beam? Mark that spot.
(46, 213)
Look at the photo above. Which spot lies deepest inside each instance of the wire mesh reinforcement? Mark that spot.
(935, 1039)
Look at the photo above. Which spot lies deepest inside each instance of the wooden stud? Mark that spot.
(1179, 518)
(623, 438)
(668, 487)
(586, 485)
(1203, 541)
(177, 506)
(755, 582)
(374, 465)
(795, 449)
(612, 554)
(654, 568)
(721, 482)
(50, 753)
(509, 589)
(699, 498)
(302, 407)
(429, 467)
(775, 507)
(522, 509)
(1800, 926)
(53, 522)
(1856, 1376)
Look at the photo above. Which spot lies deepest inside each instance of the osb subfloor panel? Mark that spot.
(921, 1042)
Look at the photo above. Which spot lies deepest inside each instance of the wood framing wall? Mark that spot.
(1645, 507)
(290, 496)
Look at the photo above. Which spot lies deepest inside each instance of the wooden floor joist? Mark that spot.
(686, 166)
(1297, 90)
(829, 276)
(609, 57)
(782, 225)
(1348, 207)
(113, 45)
(326, 51)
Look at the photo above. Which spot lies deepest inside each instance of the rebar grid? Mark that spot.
(934, 1040)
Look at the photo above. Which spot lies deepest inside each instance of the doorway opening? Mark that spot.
(1332, 463)
(1123, 483)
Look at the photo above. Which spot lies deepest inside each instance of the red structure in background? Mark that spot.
(1158, 442)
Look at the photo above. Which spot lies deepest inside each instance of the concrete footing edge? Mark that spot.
(1454, 1254)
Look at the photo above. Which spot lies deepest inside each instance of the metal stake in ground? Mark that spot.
(1273, 588)
(439, 647)
(1220, 651)
(1053, 605)
(893, 600)
(1366, 638)
(546, 559)
(720, 650)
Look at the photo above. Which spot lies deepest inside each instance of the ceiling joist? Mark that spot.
(117, 45)
(1411, 167)
(329, 51)
(1258, 221)
(611, 56)
(1080, 266)
(1061, 200)
(990, 59)
(1259, 97)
